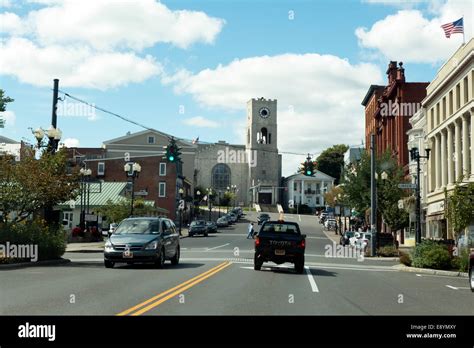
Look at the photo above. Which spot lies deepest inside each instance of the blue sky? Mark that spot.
(318, 64)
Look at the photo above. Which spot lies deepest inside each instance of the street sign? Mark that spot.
(407, 186)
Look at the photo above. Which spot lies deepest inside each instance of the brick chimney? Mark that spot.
(401, 73)
(392, 72)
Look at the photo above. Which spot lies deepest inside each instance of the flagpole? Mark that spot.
(463, 32)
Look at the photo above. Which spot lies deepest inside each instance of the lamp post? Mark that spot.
(209, 194)
(220, 192)
(132, 170)
(198, 194)
(233, 189)
(180, 191)
(415, 155)
(85, 175)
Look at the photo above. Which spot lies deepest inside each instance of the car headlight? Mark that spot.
(152, 245)
(109, 246)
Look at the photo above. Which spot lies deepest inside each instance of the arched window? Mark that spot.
(220, 176)
(264, 133)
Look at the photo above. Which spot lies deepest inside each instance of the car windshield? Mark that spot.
(290, 228)
(139, 226)
(198, 223)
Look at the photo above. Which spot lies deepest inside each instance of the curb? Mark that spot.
(85, 251)
(34, 264)
(404, 268)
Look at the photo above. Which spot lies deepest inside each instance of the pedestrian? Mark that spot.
(250, 230)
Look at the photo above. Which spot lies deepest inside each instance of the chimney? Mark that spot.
(401, 72)
(392, 71)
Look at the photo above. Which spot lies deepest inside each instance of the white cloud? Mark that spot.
(9, 117)
(318, 96)
(109, 24)
(71, 142)
(74, 66)
(5, 3)
(98, 45)
(411, 37)
(200, 121)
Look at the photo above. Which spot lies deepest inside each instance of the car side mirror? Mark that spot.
(109, 233)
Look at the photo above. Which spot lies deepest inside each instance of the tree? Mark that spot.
(4, 100)
(331, 196)
(116, 212)
(356, 183)
(460, 207)
(32, 184)
(331, 161)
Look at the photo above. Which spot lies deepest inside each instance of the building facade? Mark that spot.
(309, 190)
(449, 110)
(388, 109)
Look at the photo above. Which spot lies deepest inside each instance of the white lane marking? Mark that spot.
(217, 247)
(418, 275)
(288, 217)
(452, 287)
(315, 237)
(312, 282)
(299, 217)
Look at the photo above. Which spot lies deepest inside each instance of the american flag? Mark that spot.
(453, 28)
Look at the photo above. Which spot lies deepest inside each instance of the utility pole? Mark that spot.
(415, 155)
(52, 146)
(373, 197)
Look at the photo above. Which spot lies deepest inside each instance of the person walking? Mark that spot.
(250, 230)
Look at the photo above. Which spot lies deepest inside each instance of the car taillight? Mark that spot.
(302, 244)
(257, 241)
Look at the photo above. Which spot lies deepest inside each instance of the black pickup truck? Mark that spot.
(279, 242)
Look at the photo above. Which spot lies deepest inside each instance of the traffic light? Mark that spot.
(308, 167)
(172, 151)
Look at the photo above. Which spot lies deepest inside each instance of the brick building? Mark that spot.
(388, 109)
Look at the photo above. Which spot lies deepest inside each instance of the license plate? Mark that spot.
(127, 254)
(279, 252)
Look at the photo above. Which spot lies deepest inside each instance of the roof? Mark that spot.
(100, 194)
(127, 136)
(369, 93)
(7, 140)
(318, 175)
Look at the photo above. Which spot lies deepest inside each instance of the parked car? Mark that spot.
(233, 217)
(353, 239)
(222, 222)
(198, 227)
(147, 239)
(330, 224)
(229, 219)
(344, 240)
(262, 218)
(211, 227)
(238, 211)
(364, 241)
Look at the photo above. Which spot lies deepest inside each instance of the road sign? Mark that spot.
(407, 186)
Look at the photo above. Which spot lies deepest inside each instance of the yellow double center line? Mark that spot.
(166, 295)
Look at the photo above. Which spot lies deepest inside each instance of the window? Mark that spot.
(458, 96)
(466, 97)
(444, 109)
(450, 103)
(295, 186)
(101, 168)
(220, 176)
(162, 189)
(162, 169)
(151, 139)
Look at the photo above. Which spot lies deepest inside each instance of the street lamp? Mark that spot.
(132, 170)
(198, 194)
(209, 194)
(180, 191)
(85, 175)
(415, 156)
(53, 134)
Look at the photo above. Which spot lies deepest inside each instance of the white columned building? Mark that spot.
(449, 112)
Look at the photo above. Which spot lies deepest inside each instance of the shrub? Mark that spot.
(430, 254)
(461, 262)
(50, 240)
(387, 251)
(405, 259)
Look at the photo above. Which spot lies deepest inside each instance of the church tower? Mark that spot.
(261, 145)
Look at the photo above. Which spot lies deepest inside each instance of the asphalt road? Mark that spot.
(216, 277)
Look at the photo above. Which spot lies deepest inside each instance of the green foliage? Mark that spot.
(30, 184)
(387, 251)
(116, 212)
(228, 198)
(430, 254)
(405, 258)
(461, 262)
(4, 100)
(50, 240)
(460, 207)
(331, 161)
